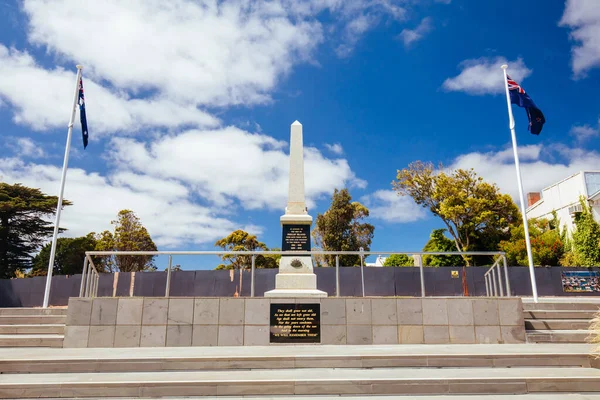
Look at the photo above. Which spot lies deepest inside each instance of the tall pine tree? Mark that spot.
(341, 229)
(24, 225)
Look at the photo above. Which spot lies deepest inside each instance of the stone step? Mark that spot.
(558, 336)
(561, 324)
(559, 314)
(57, 329)
(544, 396)
(38, 340)
(33, 311)
(316, 381)
(302, 357)
(32, 319)
(578, 306)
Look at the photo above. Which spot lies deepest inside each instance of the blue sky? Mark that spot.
(189, 105)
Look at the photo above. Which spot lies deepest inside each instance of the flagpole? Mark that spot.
(62, 189)
(520, 184)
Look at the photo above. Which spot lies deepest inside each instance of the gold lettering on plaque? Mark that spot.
(294, 323)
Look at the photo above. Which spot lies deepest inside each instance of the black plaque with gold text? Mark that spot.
(296, 238)
(295, 323)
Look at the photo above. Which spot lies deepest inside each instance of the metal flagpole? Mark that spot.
(520, 184)
(62, 189)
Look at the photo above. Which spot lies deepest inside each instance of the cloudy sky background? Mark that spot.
(189, 105)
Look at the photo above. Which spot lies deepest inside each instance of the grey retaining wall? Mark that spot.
(401, 281)
(160, 322)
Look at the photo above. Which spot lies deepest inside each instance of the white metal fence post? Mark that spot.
(508, 291)
(362, 271)
(83, 273)
(252, 275)
(337, 276)
(168, 285)
(419, 259)
(500, 286)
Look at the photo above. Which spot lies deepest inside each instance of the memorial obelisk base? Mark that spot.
(296, 277)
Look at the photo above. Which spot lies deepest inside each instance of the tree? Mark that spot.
(268, 260)
(438, 242)
(399, 260)
(585, 240)
(24, 226)
(240, 240)
(547, 248)
(70, 253)
(341, 228)
(475, 213)
(129, 235)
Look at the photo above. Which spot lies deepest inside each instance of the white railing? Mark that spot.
(493, 279)
(89, 279)
(90, 276)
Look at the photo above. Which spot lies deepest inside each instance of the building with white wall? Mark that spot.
(378, 262)
(563, 197)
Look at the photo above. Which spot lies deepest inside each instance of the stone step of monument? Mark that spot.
(58, 329)
(544, 396)
(314, 381)
(37, 340)
(562, 306)
(302, 357)
(33, 311)
(560, 324)
(558, 336)
(559, 314)
(32, 319)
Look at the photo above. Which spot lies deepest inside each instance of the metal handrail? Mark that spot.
(90, 276)
(293, 253)
(493, 279)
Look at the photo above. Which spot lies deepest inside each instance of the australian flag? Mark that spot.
(81, 102)
(522, 99)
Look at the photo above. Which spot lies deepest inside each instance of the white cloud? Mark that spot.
(25, 147)
(208, 53)
(583, 17)
(335, 148)
(358, 17)
(410, 36)
(387, 205)
(149, 64)
(353, 32)
(230, 164)
(537, 173)
(165, 207)
(217, 53)
(42, 99)
(484, 76)
(185, 187)
(585, 132)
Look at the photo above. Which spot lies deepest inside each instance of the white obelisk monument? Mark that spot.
(296, 277)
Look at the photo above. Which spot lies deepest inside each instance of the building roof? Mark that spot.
(593, 184)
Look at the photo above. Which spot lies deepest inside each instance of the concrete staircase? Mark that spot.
(441, 372)
(564, 320)
(32, 327)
